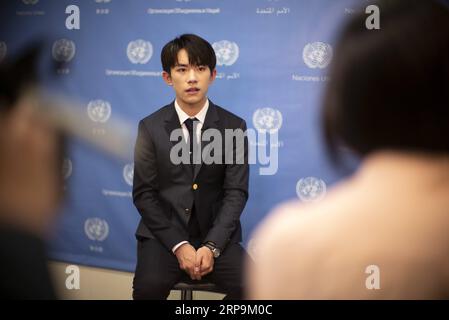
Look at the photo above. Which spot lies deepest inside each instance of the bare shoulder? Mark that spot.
(294, 221)
(284, 225)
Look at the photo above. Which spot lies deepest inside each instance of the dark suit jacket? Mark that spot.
(163, 192)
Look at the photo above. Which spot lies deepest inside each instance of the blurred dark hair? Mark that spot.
(16, 75)
(389, 88)
(22, 73)
(200, 52)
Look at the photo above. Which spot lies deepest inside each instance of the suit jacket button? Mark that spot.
(195, 186)
(187, 210)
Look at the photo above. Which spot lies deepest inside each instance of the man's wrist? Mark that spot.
(176, 247)
(213, 248)
(211, 243)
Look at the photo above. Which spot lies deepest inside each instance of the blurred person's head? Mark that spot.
(389, 88)
(31, 149)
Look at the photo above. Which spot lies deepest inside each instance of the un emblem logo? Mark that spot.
(3, 49)
(267, 119)
(99, 110)
(310, 189)
(30, 1)
(139, 51)
(317, 55)
(96, 229)
(63, 50)
(227, 52)
(66, 168)
(128, 173)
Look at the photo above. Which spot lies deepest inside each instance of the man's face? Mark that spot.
(189, 82)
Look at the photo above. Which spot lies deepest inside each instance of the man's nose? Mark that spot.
(192, 78)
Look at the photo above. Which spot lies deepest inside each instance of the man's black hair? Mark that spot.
(200, 52)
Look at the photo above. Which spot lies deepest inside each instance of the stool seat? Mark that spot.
(187, 286)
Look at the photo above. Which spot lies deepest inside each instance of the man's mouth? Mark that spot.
(192, 90)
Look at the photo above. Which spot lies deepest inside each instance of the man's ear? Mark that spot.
(213, 75)
(167, 78)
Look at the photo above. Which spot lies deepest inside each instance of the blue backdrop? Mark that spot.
(273, 58)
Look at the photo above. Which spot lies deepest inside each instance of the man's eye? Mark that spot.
(202, 68)
(181, 70)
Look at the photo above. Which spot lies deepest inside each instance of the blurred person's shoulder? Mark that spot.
(384, 216)
(293, 216)
(303, 243)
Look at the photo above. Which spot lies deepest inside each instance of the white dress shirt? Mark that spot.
(200, 116)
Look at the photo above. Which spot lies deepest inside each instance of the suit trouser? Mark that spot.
(157, 270)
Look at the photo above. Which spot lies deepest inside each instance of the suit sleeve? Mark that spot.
(146, 191)
(235, 188)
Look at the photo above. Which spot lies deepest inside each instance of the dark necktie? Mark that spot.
(189, 124)
(193, 225)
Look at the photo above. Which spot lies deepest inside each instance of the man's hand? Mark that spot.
(186, 255)
(204, 263)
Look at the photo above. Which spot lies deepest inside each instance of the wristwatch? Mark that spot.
(215, 251)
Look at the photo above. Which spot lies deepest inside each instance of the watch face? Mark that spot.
(216, 253)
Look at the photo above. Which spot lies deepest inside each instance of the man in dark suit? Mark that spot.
(190, 212)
